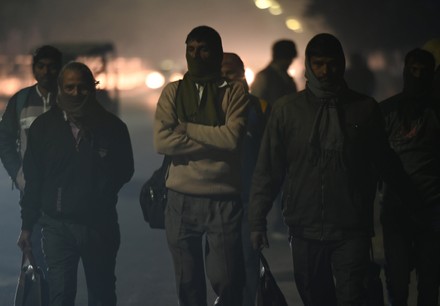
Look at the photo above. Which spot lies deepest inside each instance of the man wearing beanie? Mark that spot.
(323, 143)
(412, 121)
(78, 158)
(21, 111)
(199, 123)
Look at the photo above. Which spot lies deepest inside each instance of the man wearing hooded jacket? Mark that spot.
(77, 159)
(200, 122)
(412, 121)
(324, 142)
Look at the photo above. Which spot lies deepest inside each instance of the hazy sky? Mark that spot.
(152, 29)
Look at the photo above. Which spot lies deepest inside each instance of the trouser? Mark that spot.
(64, 244)
(37, 249)
(319, 265)
(251, 262)
(406, 248)
(187, 220)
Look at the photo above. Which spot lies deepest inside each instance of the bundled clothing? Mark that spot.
(76, 180)
(206, 160)
(328, 145)
(200, 122)
(412, 238)
(73, 175)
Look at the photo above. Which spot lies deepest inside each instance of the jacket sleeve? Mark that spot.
(227, 136)
(33, 173)
(124, 164)
(269, 172)
(9, 133)
(165, 140)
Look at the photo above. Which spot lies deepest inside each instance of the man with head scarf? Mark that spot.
(21, 111)
(412, 121)
(200, 122)
(322, 143)
(78, 158)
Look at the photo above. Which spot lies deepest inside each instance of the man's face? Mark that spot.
(74, 84)
(198, 50)
(325, 68)
(231, 71)
(45, 72)
(417, 69)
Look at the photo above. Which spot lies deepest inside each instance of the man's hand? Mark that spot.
(19, 180)
(181, 128)
(24, 241)
(259, 240)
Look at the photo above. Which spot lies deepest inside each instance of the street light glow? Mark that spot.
(263, 4)
(275, 9)
(294, 25)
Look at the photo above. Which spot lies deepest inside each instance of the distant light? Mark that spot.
(275, 9)
(155, 80)
(263, 4)
(249, 75)
(175, 76)
(167, 64)
(294, 25)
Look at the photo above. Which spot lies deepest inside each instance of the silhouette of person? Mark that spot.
(412, 238)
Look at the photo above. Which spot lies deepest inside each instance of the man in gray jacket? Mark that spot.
(200, 122)
(324, 142)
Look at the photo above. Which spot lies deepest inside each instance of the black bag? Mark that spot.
(268, 292)
(373, 283)
(32, 288)
(153, 196)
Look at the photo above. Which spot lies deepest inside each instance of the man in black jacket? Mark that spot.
(78, 158)
(323, 142)
(412, 122)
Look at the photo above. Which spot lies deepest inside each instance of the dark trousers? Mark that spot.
(64, 244)
(251, 262)
(189, 219)
(330, 273)
(406, 248)
(37, 249)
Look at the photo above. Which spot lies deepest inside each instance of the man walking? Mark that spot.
(21, 111)
(77, 159)
(323, 142)
(200, 122)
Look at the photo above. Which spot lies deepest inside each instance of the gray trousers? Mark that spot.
(189, 220)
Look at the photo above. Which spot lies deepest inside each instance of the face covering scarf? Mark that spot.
(208, 111)
(326, 141)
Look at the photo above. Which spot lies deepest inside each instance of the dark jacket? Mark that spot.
(271, 84)
(322, 203)
(80, 183)
(417, 143)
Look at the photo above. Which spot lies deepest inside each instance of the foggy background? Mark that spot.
(154, 30)
(149, 33)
